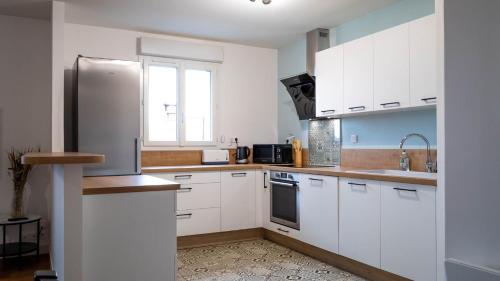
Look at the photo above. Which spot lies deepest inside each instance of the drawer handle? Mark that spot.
(328, 111)
(429, 100)
(404, 189)
(184, 216)
(183, 176)
(357, 184)
(186, 189)
(391, 104)
(239, 174)
(357, 108)
(284, 231)
(313, 179)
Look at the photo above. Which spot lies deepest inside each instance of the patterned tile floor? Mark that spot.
(253, 261)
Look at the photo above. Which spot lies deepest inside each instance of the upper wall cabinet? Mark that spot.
(423, 61)
(391, 68)
(358, 75)
(330, 81)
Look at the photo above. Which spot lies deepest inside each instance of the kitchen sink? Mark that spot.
(399, 173)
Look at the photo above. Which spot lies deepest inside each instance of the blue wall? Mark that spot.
(382, 130)
(392, 15)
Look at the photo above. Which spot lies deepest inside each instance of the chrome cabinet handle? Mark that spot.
(185, 189)
(392, 104)
(314, 179)
(428, 100)
(239, 174)
(329, 110)
(357, 184)
(183, 176)
(282, 230)
(404, 189)
(283, 183)
(265, 175)
(360, 108)
(185, 216)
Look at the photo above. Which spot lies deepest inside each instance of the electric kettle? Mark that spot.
(242, 154)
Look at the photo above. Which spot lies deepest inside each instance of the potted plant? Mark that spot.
(19, 175)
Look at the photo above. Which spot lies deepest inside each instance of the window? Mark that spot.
(178, 103)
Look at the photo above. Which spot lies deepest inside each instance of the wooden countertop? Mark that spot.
(126, 184)
(345, 172)
(63, 158)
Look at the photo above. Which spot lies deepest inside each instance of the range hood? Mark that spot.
(302, 87)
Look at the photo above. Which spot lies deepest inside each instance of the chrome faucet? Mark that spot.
(404, 164)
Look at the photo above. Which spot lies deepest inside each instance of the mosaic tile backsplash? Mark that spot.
(324, 142)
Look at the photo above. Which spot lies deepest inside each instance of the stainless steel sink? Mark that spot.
(399, 173)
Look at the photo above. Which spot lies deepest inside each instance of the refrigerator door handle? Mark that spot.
(136, 155)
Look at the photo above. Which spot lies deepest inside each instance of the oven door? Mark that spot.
(285, 203)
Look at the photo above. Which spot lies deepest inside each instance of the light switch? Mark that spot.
(354, 139)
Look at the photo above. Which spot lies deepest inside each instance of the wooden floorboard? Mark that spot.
(23, 269)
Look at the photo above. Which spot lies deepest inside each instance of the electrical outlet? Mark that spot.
(354, 139)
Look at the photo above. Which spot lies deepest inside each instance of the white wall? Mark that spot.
(25, 104)
(472, 131)
(57, 36)
(248, 78)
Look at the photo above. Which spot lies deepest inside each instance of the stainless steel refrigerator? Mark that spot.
(108, 115)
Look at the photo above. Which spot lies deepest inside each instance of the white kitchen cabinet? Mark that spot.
(198, 202)
(330, 81)
(358, 75)
(319, 211)
(261, 188)
(237, 200)
(391, 68)
(198, 196)
(191, 177)
(359, 220)
(198, 221)
(408, 231)
(423, 61)
(123, 233)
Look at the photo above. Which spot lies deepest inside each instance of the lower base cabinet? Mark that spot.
(238, 200)
(408, 231)
(319, 224)
(359, 220)
(198, 221)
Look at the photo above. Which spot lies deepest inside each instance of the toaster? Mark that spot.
(215, 157)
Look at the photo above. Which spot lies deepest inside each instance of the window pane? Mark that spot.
(198, 105)
(162, 103)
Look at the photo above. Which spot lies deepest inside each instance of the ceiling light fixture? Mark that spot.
(265, 2)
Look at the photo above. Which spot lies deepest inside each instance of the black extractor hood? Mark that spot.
(302, 87)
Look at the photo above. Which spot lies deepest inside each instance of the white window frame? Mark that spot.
(181, 66)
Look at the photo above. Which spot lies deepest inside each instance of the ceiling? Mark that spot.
(239, 21)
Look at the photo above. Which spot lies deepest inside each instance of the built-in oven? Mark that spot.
(285, 199)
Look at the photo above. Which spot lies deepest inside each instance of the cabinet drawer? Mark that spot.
(192, 222)
(198, 196)
(191, 177)
(283, 230)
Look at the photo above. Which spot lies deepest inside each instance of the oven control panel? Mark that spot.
(284, 176)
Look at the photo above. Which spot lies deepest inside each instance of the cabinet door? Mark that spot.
(330, 81)
(237, 200)
(359, 220)
(261, 186)
(358, 75)
(423, 61)
(408, 243)
(319, 211)
(391, 68)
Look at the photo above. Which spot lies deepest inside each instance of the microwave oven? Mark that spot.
(272, 153)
